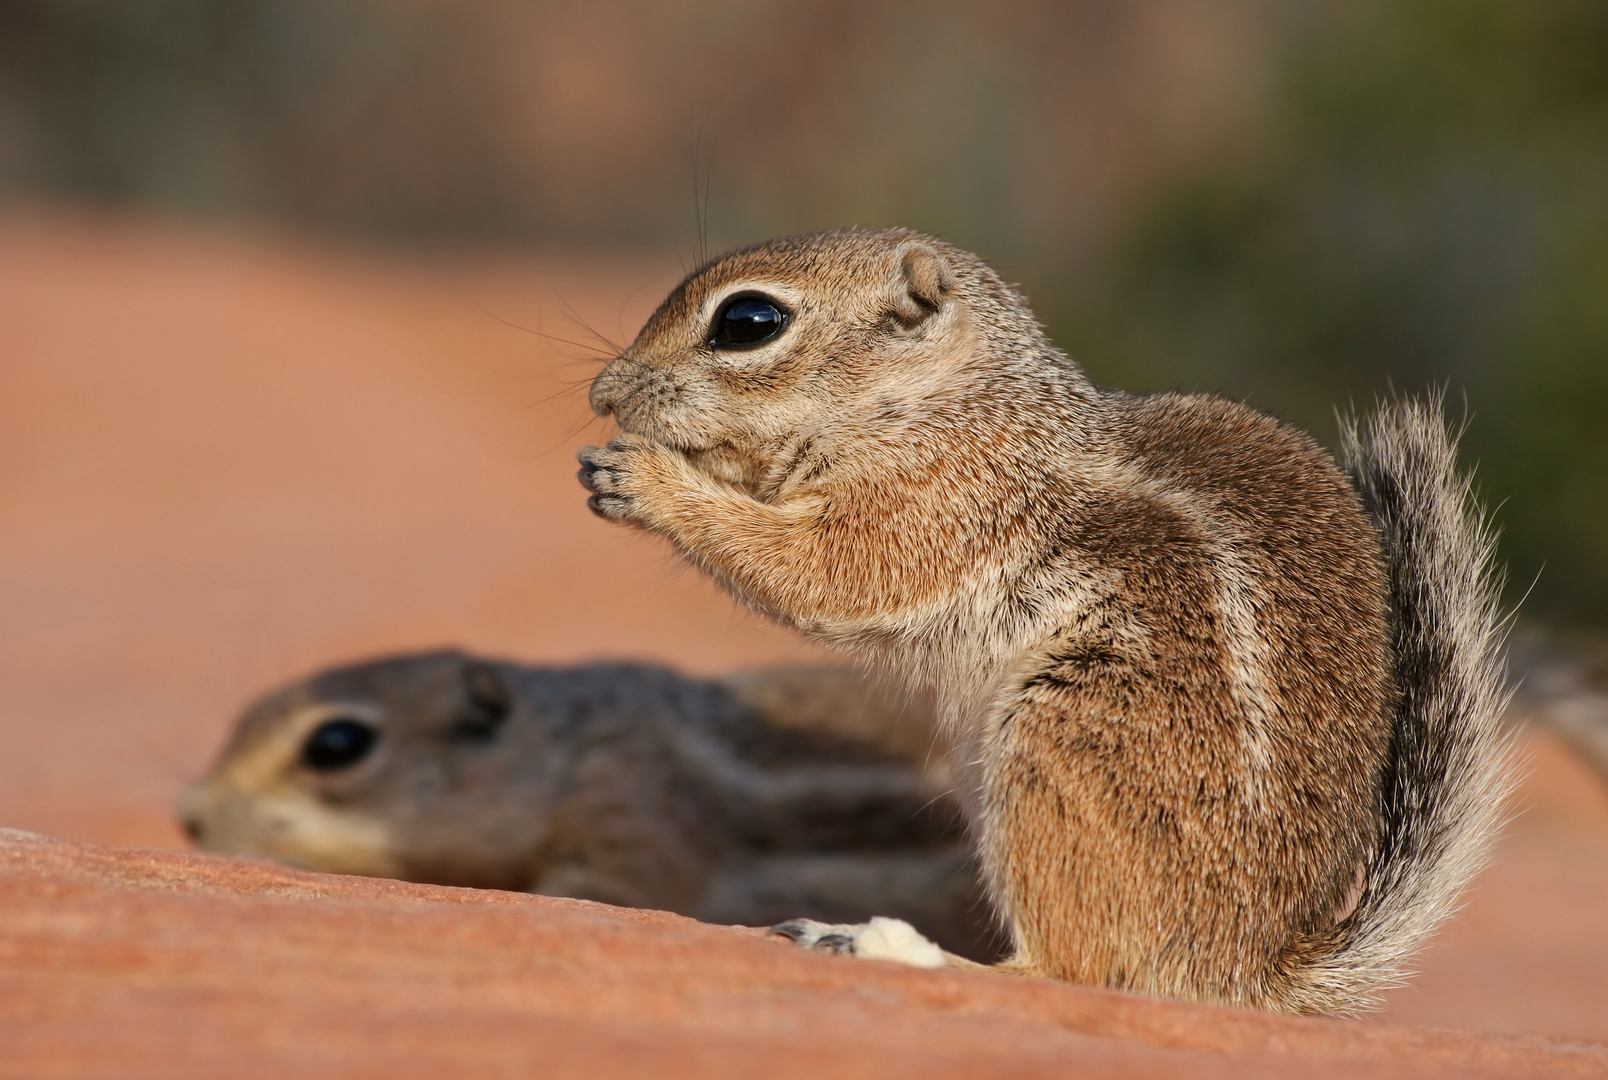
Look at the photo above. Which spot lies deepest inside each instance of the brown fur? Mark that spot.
(1156, 627)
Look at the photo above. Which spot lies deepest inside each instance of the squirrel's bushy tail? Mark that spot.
(1449, 775)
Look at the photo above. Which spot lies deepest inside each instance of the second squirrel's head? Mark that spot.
(425, 766)
(788, 340)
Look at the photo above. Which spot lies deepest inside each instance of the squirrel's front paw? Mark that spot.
(618, 476)
(879, 939)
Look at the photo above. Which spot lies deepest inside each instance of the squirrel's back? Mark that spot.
(1218, 716)
(1443, 774)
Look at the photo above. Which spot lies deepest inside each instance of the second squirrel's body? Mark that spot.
(1157, 626)
(751, 798)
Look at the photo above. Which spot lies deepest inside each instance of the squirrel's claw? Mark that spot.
(879, 939)
(600, 474)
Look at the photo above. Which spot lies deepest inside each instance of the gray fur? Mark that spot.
(1450, 776)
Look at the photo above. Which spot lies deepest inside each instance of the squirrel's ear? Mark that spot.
(487, 702)
(924, 280)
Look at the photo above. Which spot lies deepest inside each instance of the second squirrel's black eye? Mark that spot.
(338, 744)
(748, 320)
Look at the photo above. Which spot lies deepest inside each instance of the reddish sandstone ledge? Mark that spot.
(125, 962)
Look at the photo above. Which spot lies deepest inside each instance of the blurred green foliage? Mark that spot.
(1429, 207)
(579, 121)
(335, 115)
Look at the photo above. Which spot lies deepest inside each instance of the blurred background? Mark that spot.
(1301, 204)
(299, 300)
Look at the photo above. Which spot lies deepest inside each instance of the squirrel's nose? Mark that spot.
(605, 389)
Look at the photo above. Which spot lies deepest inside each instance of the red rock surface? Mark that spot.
(130, 962)
(226, 459)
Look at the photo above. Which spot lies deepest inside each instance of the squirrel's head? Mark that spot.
(799, 337)
(416, 767)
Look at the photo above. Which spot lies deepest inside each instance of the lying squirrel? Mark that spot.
(744, 800)
(1223, 723)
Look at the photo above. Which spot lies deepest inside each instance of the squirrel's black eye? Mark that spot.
(746, 320)
(338, 744)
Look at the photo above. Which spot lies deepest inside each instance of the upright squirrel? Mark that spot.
(1224, 723)
(746, 799)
